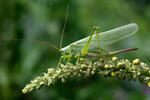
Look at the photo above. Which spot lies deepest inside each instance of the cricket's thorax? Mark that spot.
(71, 50)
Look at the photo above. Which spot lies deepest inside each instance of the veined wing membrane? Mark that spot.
(109, 37)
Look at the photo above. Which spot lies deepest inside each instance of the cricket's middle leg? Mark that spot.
(78, 57)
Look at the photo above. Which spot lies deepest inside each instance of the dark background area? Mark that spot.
(22, 61)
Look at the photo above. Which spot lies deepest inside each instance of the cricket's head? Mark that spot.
(66, 50)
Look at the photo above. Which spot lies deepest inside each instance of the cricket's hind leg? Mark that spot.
(68, 57)
(85, 49)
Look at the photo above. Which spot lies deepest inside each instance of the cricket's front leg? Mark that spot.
(68, 57)
(85, 49)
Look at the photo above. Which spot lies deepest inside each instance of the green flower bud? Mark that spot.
(63, 80)
(148, 84)
(119, 64)
(113, 74)
(106, 66)
(24, 91)
(136, 61)
(79, 75)
(51, 70)
(114, 59)
(93, 72)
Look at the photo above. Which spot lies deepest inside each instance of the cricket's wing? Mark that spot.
(108, 37)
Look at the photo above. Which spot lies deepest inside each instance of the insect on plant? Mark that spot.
(92, 46)
(88, 48)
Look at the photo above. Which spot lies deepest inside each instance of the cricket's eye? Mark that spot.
(62, 52)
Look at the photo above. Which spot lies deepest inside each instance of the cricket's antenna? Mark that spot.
(38, 41)
(62, 35)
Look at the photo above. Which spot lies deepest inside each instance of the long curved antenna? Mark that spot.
(62, 35)
(38, 41)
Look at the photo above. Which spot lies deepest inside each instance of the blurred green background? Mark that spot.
(21, 61)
